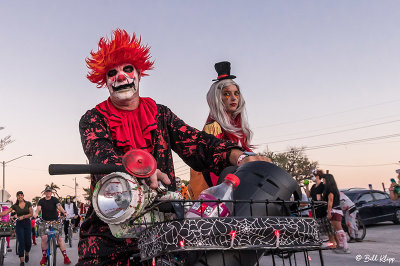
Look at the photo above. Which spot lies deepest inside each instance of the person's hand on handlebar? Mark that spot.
(255, 158)
(238, 157)
(158, 176)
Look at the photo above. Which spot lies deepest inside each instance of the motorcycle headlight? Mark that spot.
(117, 197)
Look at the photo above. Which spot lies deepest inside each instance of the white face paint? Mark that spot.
(123, 83)
(313, 178)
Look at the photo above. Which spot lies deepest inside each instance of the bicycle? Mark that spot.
(362, 229)
(68, 237)
(5, 231)
(52, 229)
(259, 225)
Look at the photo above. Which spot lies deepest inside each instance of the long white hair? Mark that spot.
(219, 114)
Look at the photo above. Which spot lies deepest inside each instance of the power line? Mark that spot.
(180, 167)
(329, 114)
(182, 173)
(330, 133)
(351, 142)
(365, 165)
(322, 146)
(335, 127)
(31, 169)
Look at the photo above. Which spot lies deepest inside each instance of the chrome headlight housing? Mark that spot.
(118, 197)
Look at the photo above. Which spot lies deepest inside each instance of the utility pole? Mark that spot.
(4, 180)
(4, 173)
(75, 188)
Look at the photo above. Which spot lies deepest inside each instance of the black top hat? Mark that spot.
(224, 71)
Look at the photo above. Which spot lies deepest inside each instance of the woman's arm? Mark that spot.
(25, 216)
(392, 195)
(330, 204)
(4, 213)
(307, 190)
(61, 209)
(38, 209)
(30, 212)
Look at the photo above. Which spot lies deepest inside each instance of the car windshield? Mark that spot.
(352, 195)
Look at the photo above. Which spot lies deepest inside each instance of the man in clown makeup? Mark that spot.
(127, 121)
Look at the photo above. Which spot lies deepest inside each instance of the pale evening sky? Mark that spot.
(305, 68)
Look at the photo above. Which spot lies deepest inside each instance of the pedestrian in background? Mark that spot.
(315, 193)
(395, 187)
(350, 215)
(334, 212)
(72, 214)
(181, 188)
(23, 229)
(6, 219)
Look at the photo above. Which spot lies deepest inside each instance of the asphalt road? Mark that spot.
(381, 246)
(36, 253)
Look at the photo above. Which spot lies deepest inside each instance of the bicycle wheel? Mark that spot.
(52, 259)
(3, 250)
(70, 236)
(362, 230)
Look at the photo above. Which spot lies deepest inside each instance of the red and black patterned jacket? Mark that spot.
(201, 151)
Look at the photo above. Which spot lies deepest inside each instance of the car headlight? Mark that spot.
(118, 197)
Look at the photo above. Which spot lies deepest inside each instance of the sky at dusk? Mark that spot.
(317, 74)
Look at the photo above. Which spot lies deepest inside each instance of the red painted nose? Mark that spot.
(121, 77)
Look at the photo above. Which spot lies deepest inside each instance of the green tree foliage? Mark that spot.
(294, 161)
(54, 188)
(88, 194)
(35, 200)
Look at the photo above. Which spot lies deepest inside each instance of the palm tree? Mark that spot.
(35, 200)
(88, 194)
(53, 187)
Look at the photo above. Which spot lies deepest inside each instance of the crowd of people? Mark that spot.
(48, 209)
(329, 217)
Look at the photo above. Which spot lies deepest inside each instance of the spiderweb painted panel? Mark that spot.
(229, 233)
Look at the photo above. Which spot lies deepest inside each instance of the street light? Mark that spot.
(4, 173)
(72, 187)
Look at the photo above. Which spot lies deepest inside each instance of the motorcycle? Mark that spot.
(260, 224)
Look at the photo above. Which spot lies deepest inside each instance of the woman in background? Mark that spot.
(334, 212)
(23, 229)
(227, 120)
(315, 193)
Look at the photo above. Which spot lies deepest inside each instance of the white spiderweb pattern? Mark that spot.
(216, 233)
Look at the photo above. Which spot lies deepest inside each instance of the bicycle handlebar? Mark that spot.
(68, 169)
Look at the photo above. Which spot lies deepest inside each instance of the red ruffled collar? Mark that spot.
(131, 129)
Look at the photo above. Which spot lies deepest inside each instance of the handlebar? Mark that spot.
(67, 169)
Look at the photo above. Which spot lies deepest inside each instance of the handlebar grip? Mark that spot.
(68, 169)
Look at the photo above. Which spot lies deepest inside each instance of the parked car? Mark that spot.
(374, 206)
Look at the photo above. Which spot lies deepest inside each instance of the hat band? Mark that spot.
(222, 76)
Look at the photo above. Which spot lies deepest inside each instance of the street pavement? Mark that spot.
(380, 247)
(36, 253)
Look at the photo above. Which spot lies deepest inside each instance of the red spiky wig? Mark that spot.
(121, 49)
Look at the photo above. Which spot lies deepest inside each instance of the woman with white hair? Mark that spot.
(227, 120)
